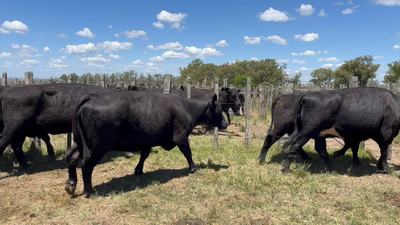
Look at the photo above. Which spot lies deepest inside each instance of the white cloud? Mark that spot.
(326, 52)
(378, 57)
(137, 62)
(62, 35)
(94, 65)
(157, 59)
(158, 25)
(63, 57)
(274, 15)
(221, 43)
(116, 35)
(151, 64)
(3, 31)
(276, 39)
(173, 18)
(209, 46)
(15, 46)
(350, 2)
(14, 26)
(174, 55)
(338, 3)
(167, 46)
(7, 64)
(310, 37)
(322, 13)
(27, 48)
(5, 55)
(96, 59)
(304, 69)
(339, 65)
(305, 10)
(387, 2)
(29, 62)
(306, 53)
(202, 52)
(254, 59)
(299, 61)
(82, 49)
(55, 63)
(134, 34)
(115, 56)
(110, 26)
(330, 59)
(39, 34)
(85, 33)
(396, 47)
(282, 60)
(329, 65)
(46, 50)
(350, 10)
(114, 46)
(252, 40)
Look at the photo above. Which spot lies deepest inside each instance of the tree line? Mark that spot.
(264, 72)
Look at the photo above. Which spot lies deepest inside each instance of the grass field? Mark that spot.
(230, 187)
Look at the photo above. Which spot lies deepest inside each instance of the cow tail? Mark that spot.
(272, 114)
(297, 123)
(84, 150)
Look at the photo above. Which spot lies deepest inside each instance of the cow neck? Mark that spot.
(197, 109)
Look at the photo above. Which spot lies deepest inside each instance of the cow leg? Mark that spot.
(144, 153)
(229, 118)
(73, 157)
(184, 147)
(354, 149)
(342, 151)
(382, 162)
(291, 155)
(270, 140)
(46, 138)
(87, 170)
(320, 147)
(16, 145)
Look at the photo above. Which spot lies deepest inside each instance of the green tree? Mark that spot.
(241, 81)
(392, 76)
(322, 77)
(362, 67)
(297, 78)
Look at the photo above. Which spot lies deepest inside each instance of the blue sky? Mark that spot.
(55, 37)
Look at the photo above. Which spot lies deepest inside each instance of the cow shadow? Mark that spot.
(39, 162)
(130, 182)
(344, 164)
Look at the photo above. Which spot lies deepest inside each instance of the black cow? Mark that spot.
(282, 120)
(38, 110)
(134, 121)
(355, 114)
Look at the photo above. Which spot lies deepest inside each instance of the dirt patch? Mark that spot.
(393, 198)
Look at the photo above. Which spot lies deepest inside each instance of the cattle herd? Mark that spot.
(136, 119)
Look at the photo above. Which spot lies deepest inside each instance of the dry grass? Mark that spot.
(230, 187)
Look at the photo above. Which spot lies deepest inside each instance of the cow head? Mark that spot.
(213, 114)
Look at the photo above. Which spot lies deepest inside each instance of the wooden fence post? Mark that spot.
(167, 83)
(4, 80)
(216, 91)
(29, 80)
(247, 108)
(225, 81)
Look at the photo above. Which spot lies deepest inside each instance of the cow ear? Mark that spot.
(222, 89)
(182, 88)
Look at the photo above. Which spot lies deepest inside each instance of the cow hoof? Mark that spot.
(336, 154)
(381, 172)
(193, 170)
(70, 188)
(285, 170)
(138, 173)
(90, 193)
